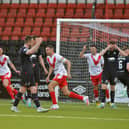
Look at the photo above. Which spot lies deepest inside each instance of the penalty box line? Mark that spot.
(64, 117)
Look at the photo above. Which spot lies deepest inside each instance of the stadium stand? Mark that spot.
(33, 13)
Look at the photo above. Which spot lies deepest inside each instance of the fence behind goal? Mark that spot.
(73, 34)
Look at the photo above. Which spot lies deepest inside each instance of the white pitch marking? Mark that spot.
(64, 117)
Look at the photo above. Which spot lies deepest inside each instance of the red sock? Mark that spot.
(53, 97)
(76, 96)
(10, 92)
(96, 93)
(107, 93)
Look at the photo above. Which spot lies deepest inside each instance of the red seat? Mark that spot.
(16, 31)
(31, 13)
(120, 6)
(50, 13)
(100, 5)
(12, 13)
(88, 13)
(69, 13)
(62, 5)
(5, 6)
(0, 31)
(126, 14)
(127, 5)
(38, 22)
(48, 22)
(55, 22)
(26, 31)
(14, 6)
(81, 5)
(36, 31)
(53, 34)
(7, 31)
(46, 31)
(21, 13)
(40, 13)
(99, 13)
(10, 22)
(79, 13)
(111, 5)
(52, 5)
(3, 13)
(75, 32)
(71, 5)
(109, 13)
(118, 13)
(52, 38)
(65, 32)
(85, 33)
(5, 37)
(89, 6)
(42, 6)
(24, 6)
(33, 6)
(59, 13)
(14, 38)
(2, 22)
(19, 22)
(29, 22)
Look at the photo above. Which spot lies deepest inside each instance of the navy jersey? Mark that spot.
(110, 59)
(35, 57)
(122, 64)
(25, 59)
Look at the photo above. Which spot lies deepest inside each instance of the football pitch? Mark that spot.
(69, 116)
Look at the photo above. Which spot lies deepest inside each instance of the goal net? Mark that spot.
(73, 34)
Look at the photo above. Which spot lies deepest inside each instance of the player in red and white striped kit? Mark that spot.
(5, 74)
(95, 62)
(56, 63)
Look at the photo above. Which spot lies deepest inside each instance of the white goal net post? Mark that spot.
(72, 34)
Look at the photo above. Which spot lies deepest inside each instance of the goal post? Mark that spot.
(72, 34)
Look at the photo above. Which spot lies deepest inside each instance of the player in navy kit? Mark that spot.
(37, 60)
(123, 70)
(110, 55)
(27, 75)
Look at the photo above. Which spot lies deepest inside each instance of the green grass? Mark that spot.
(69, 116)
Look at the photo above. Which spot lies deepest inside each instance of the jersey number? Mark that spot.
(120, 64)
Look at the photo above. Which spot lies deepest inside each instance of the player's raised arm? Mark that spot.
(42, 64)
(82, 52)
(121, 51)
(105, 50)
(35, 47)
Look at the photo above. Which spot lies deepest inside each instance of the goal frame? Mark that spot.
(58, 34)
(59, 20)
